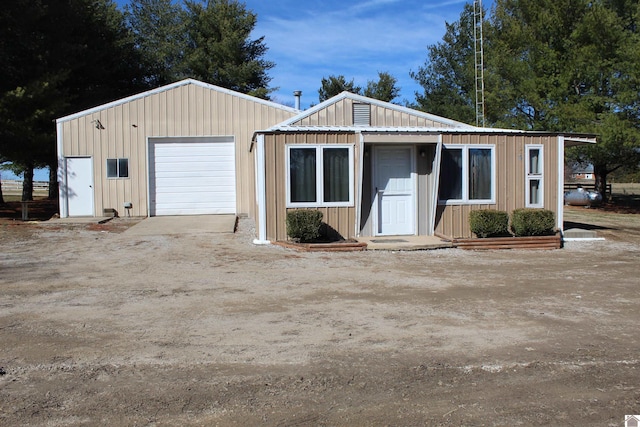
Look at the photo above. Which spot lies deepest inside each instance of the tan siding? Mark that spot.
(340, 113)
(187, 110)
(342, 219)
(453, 220)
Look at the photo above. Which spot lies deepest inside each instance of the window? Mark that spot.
(467, 174)
(117, 168)
(534, 190)
(319, 175)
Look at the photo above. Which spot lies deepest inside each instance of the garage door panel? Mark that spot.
(188, 149)
(167, 158)
(222, 200)
(192, 178)
(181, 193)
(195, 168)
(194, 181)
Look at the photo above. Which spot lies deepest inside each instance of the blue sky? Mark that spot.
(309, 40)
(357, 39)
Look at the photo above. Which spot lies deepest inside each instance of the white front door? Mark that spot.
(79, 186)
(394, 190)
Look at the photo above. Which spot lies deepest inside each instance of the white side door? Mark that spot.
(394, 191)
(79, 186)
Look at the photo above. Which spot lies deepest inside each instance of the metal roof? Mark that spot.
(579, 138)
(169, 87)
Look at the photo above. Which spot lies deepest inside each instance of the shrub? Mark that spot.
(489, 223)
(533, 222)
(304, 225)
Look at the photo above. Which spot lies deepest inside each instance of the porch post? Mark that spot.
(560, 206)
(436, 186)
(360, 182)
(261, 193)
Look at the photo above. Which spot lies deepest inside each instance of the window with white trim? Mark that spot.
(319, 175)
(534, 186)
(118, 168)
(467, 174)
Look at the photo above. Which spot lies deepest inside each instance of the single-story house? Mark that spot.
(373, 168)
(583, 173)
(379, 169)
(181, 149)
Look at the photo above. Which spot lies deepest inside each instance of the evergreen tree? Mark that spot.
(551, 65)
(159, 32)
(334, 85)
(384, 89)
(220, 50)
(59, 57)
(447, 78)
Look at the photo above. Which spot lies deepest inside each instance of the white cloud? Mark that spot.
(355, 39)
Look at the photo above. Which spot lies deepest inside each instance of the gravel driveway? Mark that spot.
(99, 327)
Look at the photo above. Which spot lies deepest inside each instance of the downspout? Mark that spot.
(560, 207)
(436, 186)
(360, 182)
(62, 174)
(261, 193)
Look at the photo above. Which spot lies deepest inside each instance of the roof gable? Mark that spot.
(172, 86)
(339, 111)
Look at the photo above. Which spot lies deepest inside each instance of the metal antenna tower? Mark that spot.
(479, 61)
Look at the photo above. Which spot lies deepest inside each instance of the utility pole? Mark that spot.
(479, 61)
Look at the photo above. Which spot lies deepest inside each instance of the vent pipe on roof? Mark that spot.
(297, 94)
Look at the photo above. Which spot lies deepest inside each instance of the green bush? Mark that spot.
(533, 222)
(304, 225)
(489, 223)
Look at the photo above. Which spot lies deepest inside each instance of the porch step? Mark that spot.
(404, 243)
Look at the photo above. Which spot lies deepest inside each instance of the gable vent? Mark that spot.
(361, 114)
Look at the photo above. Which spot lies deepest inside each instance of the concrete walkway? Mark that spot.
(187, 224)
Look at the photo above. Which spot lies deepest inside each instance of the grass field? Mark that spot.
(629, 188)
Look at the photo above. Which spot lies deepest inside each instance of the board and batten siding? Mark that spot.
(452, 221)
(179, 111)
(341, 114)
(342, 219)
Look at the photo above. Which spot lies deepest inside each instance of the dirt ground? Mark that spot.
(101, 328)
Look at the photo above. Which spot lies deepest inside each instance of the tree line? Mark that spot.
(63, 56)
(550, 65)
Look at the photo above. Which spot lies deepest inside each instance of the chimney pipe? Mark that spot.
(297, 94)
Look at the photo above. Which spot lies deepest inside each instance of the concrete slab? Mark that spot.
(80, 220)
(404, 243)
(187, 224)
(579, 234)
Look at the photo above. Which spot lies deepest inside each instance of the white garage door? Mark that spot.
(192, 176)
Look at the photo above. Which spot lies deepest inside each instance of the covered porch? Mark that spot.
(398, 179)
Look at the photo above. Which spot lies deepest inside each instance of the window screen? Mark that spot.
(336, 174)
(302, 173)
(451, 174)
(479, 174)
(118, 168)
